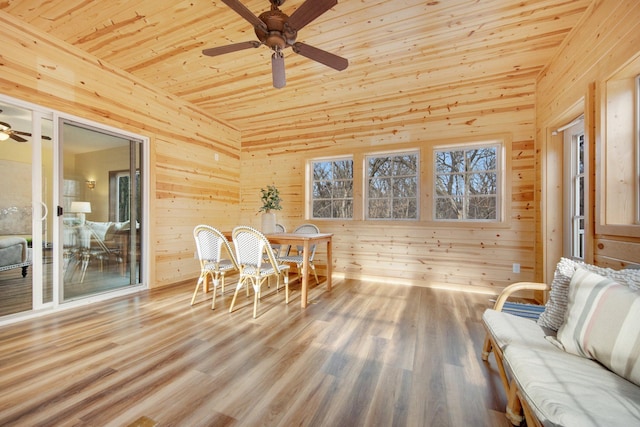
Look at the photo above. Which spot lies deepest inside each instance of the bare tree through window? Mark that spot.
(392, 190)
(466, 183)
(332, 188)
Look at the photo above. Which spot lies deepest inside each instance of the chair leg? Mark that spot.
(286, 286)
(235, 294)
(255, 304)
(215, 286)
(200, 280)
(313, 268)
(514, 406)
(486, 348)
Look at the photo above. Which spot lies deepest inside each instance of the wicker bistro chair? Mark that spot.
(298, 258)
(251, 246)
(210, 243)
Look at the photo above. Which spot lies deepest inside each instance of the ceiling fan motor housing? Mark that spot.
(278, 35)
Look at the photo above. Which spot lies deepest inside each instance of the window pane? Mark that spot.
(452, 185)
(379, 208)
(321, 171)
(379, 188)
(380, 166)
(482, 159)
(322, 190)
(405, 208)
(483, 183)
(482, 208)
(342, 189)
(343, 169)
(449, 161)
(322, 209)
(448, 208)
(342, 209)
(405, 187)
(405, 165)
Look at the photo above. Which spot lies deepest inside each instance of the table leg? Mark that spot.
(305, 273)
(329, 264)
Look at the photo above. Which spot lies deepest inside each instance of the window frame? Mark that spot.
(366, 181)
(502, 195)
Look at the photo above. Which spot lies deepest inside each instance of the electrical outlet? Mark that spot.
(516, 268)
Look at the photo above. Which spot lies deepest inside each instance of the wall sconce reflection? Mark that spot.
(91, 185)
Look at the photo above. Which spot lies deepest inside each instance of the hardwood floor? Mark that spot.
(361, 355)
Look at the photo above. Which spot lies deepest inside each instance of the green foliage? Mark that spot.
(270, 199)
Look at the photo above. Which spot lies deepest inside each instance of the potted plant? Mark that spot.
(270, 198)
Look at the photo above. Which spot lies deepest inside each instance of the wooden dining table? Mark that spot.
(306, 241)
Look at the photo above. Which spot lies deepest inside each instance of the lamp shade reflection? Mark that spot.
(81, 208)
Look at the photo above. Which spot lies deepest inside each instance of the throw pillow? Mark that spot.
(602, 323)
(555, 308)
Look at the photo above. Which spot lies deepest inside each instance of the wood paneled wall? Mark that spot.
(607, 38)
(194, 157)
(424, 253)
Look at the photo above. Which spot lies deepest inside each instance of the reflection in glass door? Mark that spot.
(25, 227)
(101, 206)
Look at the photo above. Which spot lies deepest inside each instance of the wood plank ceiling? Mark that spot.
(394, 47)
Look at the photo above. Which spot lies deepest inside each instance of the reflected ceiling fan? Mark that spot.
(6, 132)
(278, 31)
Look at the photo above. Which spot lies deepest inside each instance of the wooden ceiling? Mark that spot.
(393, 47)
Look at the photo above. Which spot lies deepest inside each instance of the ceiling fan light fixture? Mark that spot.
(3, 136)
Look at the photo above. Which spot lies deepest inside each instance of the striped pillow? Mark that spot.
(555, 309)
(603, 323)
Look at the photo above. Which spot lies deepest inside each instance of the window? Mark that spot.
(332, 188)
(574, 189)
(466, 182)
(392, 186)
(120, 188)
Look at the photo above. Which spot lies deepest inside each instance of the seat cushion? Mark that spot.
(507, 329)
(567, 390)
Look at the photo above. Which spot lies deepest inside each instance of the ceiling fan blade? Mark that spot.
(277, 70)
(308, 11)
(28, 134)
(322, 56)
(242, 10)
(15, 137)
(215, 51)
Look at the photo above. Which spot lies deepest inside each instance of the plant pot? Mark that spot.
(268, 223)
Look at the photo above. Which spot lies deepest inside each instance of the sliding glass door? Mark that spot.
(71, 209)
(101, 202)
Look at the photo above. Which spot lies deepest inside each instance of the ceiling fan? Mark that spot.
(277, 31)
(6, 132)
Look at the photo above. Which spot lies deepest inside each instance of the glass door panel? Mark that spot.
(100, 224)
(16, 213)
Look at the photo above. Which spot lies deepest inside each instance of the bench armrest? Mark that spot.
(520, 286)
